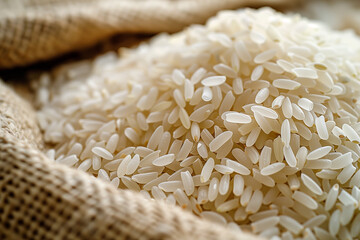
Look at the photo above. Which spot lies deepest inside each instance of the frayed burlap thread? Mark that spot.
(34, 30)
(40, 199)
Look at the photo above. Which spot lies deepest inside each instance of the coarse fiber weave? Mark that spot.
(40, 199)
(33, 30)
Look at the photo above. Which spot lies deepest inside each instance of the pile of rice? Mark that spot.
(251, 120)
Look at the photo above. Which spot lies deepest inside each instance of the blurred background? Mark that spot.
(38, 35)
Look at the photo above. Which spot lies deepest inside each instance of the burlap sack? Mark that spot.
(43, 200)
(33, 30)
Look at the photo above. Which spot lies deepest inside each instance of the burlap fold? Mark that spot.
(40, 199)
(33, 30)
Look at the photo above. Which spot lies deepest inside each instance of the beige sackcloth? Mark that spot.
(43, 200)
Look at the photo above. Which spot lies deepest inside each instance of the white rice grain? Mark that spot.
(286, 84)
(164, 160)
(262, 95)
(237, 167)
(287, 108)
(355, 226)
(311, 184)
(102, 152)
(305, 199)
(277, 103)
(255, 202)
(319, 153)
(341, 161)
(170, 186)
(289, 156)
(225, 70)
(305, 73)
(265, 56)
(224, 184)
(272, 169)
(69, 160)
(290, 224)
(228, 206)
(188, 182)
(264, 224)
(238, 185)
(207, 94)
(188, 90)
(264, 111)
(213, 81)
(351, 133)
(252, 137)
(220, 140)
(334, 223)
(213, 217)
(346, 199)
(213, 189)
(306, 104)
(143, 178)
(85, 165)
(257, 73)
(234, 117)
(321, 128)
(285, 132)
(207, 170)
(132, 165)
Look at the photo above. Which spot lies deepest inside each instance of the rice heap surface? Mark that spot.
(251, 120)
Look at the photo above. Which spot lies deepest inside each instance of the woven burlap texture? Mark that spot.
(33, 30)
(40, 199)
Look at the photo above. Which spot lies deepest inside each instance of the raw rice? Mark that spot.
(207, 170)
(305, 199)
(286, 84)
(251, 120)
(237, 167)
(311, 184)
(102, 152)
(234, 117)
(290, 224)
(69, 160)
(318, 153)
(220, 140)
(272, 169)
(266, 112)
(213, 81)
(188, 182)
(164, 160)
(257, 72)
